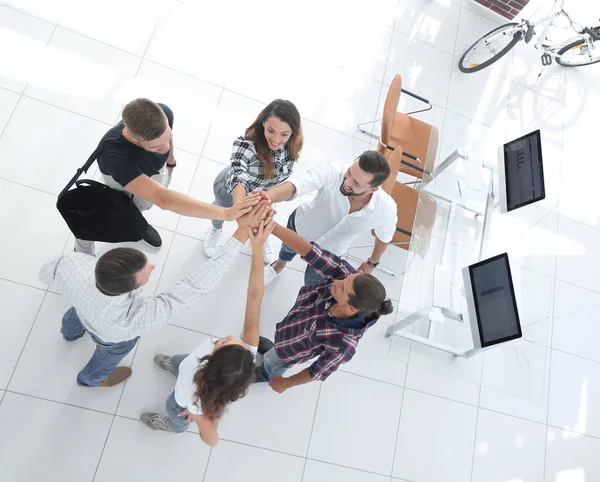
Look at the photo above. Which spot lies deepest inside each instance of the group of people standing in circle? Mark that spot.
(336, 306)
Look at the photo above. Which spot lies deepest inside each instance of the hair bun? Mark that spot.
(386, 307)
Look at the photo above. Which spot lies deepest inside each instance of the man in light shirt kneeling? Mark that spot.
(349, 203)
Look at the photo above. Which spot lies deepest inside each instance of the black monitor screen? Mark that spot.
(495, 302)
(523, 170)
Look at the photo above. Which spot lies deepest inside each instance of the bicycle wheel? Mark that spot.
(489, 48)
(577, 54)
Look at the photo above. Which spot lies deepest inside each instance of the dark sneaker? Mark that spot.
(155, 421)
(152, 237)
(164, 363)
(119, 375)
(264, 345)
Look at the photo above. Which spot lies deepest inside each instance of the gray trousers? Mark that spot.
(222, 197)
(89, 247)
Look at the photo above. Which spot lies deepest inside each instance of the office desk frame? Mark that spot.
(422, 314)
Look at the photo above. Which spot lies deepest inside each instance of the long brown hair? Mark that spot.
(369, 296)
(224, 378)
(287, 112)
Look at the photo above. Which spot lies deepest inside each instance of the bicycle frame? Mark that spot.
(551, 48)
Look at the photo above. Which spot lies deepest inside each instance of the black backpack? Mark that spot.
(95, 212)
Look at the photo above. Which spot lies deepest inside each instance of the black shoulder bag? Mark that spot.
(95, 212)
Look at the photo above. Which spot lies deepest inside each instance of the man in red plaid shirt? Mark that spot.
(327, 320)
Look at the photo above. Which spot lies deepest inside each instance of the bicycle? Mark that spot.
(580, 50)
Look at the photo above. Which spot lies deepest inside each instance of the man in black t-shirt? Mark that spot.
(137, 157)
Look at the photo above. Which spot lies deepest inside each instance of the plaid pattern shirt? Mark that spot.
(247, 169)
(309, 331)
(124, 317)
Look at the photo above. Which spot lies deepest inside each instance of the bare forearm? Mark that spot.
(207, 429)
(238, 193)
(298, 379)
(378, 250)
(283, 192)
(256, 285)
(293, 240)
(188, 206)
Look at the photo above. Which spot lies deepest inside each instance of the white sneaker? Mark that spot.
(211, 241)
(270, 274)
(268, 256)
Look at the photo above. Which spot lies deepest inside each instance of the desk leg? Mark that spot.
(408, 320)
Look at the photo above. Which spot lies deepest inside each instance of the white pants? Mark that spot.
(89, 247)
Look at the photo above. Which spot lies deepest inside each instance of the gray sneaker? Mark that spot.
(164, 363)
(155, 421)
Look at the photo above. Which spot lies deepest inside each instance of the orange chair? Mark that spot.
(410, 202)
(418, 139)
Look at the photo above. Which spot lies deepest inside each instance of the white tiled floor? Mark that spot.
(398, 412)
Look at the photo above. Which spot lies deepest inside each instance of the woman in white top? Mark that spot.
(261, 159)
(216, 373)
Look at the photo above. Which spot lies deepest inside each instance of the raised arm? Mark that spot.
(154, 312)
(256, 283)
(283, 192)
(292, 239)
(302, 183)
(171, 200)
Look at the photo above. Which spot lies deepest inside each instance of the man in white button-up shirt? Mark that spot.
(349, 202)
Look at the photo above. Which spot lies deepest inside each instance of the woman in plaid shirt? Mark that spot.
(263, 158)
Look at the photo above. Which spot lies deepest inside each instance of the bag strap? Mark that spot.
(82, 169)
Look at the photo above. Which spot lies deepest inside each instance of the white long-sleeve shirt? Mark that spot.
(124, 317)
(327, 220)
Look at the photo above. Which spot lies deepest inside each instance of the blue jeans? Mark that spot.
(272, 365)
(222, 197)
(286, 254)
(176, 423)
(106, 357)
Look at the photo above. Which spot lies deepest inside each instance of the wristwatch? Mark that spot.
(372, 265)
(171, 166)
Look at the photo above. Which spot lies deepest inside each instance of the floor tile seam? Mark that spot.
(26, 285)
(13, 91)
(15, 9)
(104, 447)
(475, 439)
(102, 42)
(207, 464)
(50, 400)
(562, 429)
(411, 41)
(204, 144)
(27, 96)
(303, 118)
(422, 392)
(398, 432)
(199, 156)
(11, 114)
(551, 334)
(578, 222)
(460, 11)
(312, 427)
(35, 319)
(385, 68)
(281, 452)
(325, 461)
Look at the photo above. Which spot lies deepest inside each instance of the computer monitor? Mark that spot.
(491, 303)
(521, 172)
